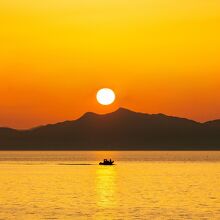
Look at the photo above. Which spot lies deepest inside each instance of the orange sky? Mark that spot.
(158, 56)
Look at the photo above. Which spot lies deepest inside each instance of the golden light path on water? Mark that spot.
(106, 188)
(70, 185)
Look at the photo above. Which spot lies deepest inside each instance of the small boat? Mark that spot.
(106, 162)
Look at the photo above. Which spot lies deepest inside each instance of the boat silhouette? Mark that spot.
(106, 162)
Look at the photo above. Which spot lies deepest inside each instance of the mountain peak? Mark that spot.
(123, 110)
(88, 115)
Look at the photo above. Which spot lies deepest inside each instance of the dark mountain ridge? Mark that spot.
(119, 130)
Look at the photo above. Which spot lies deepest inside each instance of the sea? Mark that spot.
(141, 185)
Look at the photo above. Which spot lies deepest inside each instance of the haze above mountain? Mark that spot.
(119, 130)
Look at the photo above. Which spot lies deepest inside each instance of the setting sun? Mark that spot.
(105, 96)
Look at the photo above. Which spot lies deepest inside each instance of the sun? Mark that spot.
(105, 96)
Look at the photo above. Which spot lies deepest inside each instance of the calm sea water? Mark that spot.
(142, 185)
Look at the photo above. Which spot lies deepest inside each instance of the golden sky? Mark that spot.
(158, 56)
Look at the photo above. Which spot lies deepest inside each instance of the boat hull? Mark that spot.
(106, 164)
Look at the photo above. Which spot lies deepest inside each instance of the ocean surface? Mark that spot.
(142, 185)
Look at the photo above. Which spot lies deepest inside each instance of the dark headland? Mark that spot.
(119, 130)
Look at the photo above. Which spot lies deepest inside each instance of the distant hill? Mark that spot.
(119, 130)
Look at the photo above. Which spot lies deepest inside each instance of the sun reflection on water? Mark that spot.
(106, 187)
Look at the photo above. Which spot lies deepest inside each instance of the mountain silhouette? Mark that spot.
(119, 130)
